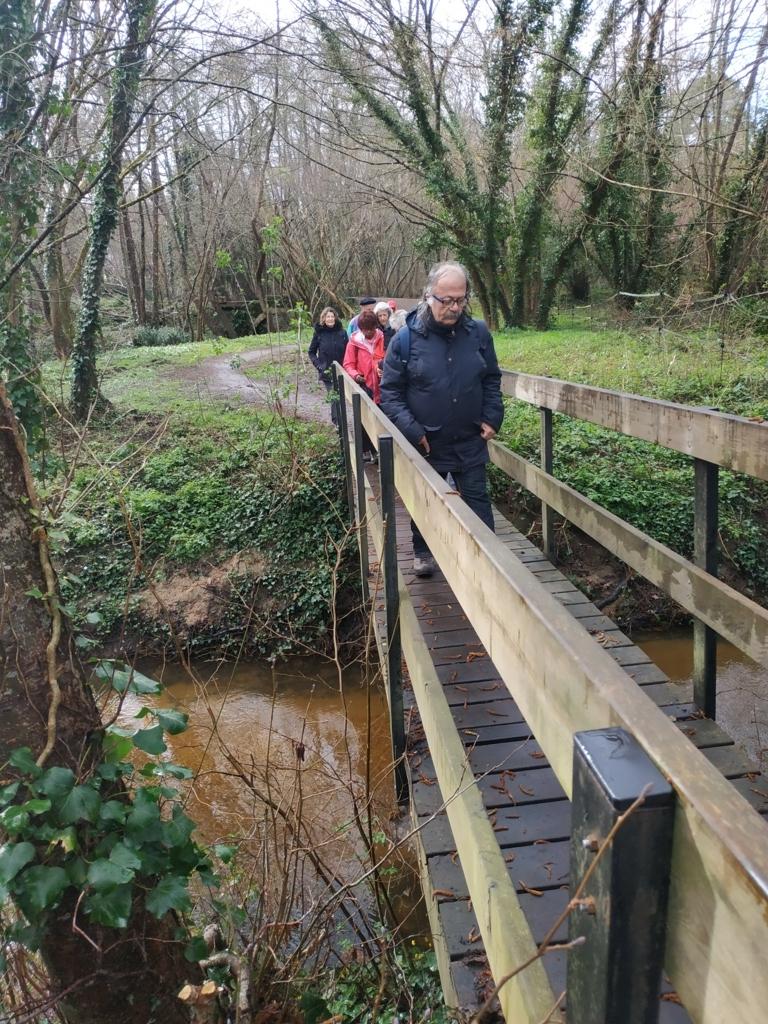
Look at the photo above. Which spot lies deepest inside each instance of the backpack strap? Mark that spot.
(405, 345)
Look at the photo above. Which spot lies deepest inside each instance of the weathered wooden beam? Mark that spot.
(392, 613)
(705, 552)
(345, 442)
(732, 442)
(362, 531)
(563, 683)
(547, 515)
(619, 917)
(528, 997)
(730, 614)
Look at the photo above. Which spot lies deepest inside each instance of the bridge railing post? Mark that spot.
(360, 517)
(619, 917)
(344, 434)
(392, 613)
(705, 555)
(335, 412)
(547, 513)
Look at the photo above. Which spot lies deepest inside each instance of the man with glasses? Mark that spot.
(442, 388)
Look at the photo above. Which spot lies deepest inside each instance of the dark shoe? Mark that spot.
(424, 565)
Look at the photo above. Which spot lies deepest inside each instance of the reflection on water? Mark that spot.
(287, 761)
(742, 685)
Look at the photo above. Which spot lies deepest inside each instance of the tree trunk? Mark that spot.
(58, 292)
(134, 974)
(85, 387)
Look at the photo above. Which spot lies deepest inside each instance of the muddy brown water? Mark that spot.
(272, 744)
(742, 685)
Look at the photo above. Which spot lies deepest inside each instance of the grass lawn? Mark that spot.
(148, 380)
(688, 368)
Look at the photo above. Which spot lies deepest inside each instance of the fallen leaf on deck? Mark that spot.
(529, 890)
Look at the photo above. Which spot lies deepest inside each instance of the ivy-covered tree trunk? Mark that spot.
(85, 387)
(20, 203)
(130, 974)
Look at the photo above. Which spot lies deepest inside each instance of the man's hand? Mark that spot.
(360, 378)
(487, 431)
(424, 443)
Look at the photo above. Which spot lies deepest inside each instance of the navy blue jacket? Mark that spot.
(448, 386)
(328, 345)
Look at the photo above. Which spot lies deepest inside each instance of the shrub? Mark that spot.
(153, 337)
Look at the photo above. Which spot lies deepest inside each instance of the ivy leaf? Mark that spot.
(66, 838)
(170, 893)
(150, 740)
(77, 872)
(117, 745)
(14, 819)
(179, 829)
(13, 858)
(36, 806)
(82, 804)
(123, 855)
(114, 810)
(105, 874)
(196, 950)
(122, 679)
(56, 783)
(111, 908)
(174, 722)
(23, 759)
(39, 887)
(224, 853)
(7, 793)
(143, 822)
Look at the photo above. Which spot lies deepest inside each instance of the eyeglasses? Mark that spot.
(448, 301)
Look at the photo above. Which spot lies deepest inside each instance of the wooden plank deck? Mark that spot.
(526, 804)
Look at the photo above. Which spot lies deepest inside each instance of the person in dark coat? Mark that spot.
(441, 387)
(328, 345)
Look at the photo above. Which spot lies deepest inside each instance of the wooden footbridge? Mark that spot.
(592, 843)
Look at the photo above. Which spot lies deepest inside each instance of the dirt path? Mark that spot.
(287, 384)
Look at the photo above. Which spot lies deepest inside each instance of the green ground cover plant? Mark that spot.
(244, 489)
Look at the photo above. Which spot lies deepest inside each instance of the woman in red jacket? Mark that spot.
(362, 361)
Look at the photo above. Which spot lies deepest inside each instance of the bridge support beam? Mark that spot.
(360, 512)
(547, 513)
(344, 434)
(705, 525)
(620, 914)
(392, 609)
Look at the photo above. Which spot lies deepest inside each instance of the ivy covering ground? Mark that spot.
(210, 487)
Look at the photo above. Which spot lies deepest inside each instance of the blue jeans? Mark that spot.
(473, 487)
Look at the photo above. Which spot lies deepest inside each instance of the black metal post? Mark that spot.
(392, 606)
(362, 526)
(344, 431)
(705, 555)
(615, 971)
(547, 514)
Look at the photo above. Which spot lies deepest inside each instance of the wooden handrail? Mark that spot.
(732, 615)
(564, 683)
(732, 442)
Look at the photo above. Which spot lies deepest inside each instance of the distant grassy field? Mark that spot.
(149, 380)
(688, 368)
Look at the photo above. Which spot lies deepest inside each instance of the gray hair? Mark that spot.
(437, 271)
